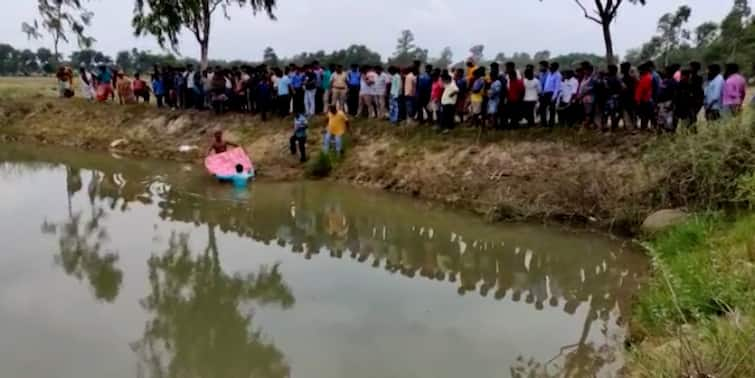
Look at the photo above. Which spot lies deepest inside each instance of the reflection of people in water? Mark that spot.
(546, 279)
(337, 226)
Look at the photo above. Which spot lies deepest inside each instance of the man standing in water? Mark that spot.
(239, 179)
(219, 145)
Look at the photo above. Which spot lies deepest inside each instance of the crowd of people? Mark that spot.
(625, 96)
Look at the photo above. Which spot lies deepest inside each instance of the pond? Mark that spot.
(117, 267)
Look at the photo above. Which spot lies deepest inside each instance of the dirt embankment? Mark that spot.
(549, 174)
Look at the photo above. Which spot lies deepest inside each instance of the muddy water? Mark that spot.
(120, 268)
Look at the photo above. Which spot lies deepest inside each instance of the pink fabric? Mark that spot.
(225, 164)
(734, 90)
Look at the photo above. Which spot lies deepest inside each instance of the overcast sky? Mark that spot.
(309, 25)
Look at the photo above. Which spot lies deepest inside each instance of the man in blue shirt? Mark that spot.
(239, 179)
(354, 80)
(542, 76)
(714, 90)
(299, 137)
(551, 93)
(297, 83)
(424, 88)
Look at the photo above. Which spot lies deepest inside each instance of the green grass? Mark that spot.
(31, 86)
(701, 299)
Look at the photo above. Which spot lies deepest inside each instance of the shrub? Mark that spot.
(703, 169)
(320, 167)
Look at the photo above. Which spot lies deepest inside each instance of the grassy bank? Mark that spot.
(695, 317)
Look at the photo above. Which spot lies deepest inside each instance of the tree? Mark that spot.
(544, 55)
(123, 60)
(89, 57)
(445, 59)
(201, 317)
(705, 34)
(406, 51)
(604, 14)
(672, 32)
(28, 61)
(8, 59)
(59, 18)
(521, 58)
(270, 58)
(46, 60)
(165, 19)
(733, 28)
(476, 53)
(353, 54)
(648, 51)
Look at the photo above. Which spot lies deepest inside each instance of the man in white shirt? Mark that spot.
(569, 89)
(448, 103)
(188, 95)
(367, 93)
(379, 91)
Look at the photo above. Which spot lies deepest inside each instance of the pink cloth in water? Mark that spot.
(225, 164)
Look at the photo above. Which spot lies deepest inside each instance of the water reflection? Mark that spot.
(195, 306)
(545, 272)
(197, 317)
(81, 240)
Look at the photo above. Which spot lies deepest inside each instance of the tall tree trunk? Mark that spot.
(610, 58)
(55, 47)
(58, 30)
(204, 47)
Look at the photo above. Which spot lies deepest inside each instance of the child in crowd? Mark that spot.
(299, 137)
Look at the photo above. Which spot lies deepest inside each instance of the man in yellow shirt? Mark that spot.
(337, 124)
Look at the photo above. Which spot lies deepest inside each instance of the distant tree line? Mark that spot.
(729, 40)
(44, 61)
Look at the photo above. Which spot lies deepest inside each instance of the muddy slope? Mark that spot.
(561, 174)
